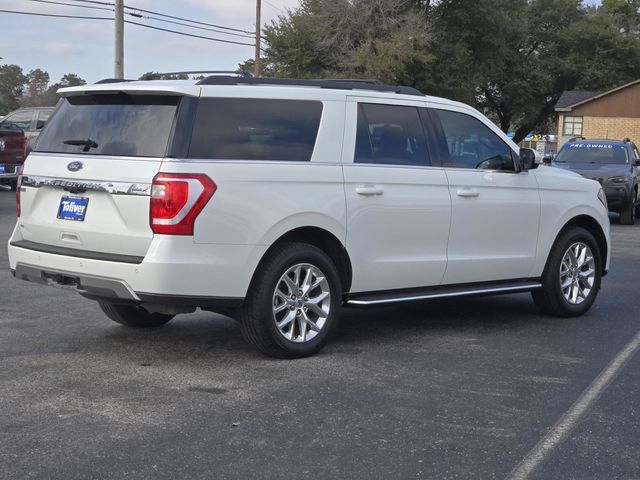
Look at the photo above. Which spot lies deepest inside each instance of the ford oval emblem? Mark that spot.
(74, 166)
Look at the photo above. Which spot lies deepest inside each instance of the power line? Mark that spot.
(157, 19)
(57, 16)
(189, 34)
(187, 20)
(96, 2)
(273, 6)
(71, 5)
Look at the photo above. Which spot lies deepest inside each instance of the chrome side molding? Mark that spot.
(391, 297)
(114, 188)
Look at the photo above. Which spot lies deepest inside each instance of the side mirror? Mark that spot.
(548, 159)
(527, 159)
(636, 163)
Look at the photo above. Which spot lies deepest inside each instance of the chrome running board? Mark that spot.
(381, 298)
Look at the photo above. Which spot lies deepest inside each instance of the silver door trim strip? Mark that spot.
(115, 188)
(434, 295)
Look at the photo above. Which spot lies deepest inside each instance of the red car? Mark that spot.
(13, 151)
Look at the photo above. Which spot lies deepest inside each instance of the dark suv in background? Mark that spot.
(613, 163)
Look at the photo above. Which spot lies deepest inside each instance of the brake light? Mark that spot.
(176, 201)
(18, 182)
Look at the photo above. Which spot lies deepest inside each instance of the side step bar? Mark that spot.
(382, 298)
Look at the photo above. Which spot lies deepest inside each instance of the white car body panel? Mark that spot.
(418, 233)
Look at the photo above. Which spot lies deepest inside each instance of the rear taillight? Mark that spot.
(176, 201)
(18, 182)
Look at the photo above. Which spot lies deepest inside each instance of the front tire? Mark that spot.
(572, 275)
(294, 302)
(134, 317)
(628, 215)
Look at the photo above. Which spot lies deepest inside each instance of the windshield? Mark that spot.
(110, 124)
(593, 153)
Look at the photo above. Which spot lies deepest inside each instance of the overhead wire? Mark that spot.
(55, 15)
(52, 2)
(189, 34)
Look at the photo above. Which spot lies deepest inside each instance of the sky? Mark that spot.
(86, 47)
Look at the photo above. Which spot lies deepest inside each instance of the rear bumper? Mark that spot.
(175, 272)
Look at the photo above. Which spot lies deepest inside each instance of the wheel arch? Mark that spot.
(325, 241)
(591, 225)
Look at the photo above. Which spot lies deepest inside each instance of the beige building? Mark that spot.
(614, 114)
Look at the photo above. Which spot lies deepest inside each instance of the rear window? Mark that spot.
(602, 153)
(255, 129)
(111, 124)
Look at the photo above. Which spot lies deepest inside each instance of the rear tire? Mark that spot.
(294, 302)
(562, 278)
(135, 317)
(628, 215)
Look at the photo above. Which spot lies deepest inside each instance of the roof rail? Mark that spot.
(332, 84)
(240, 72)
(576, 138)
(113, 80)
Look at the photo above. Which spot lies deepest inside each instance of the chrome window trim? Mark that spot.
(114, 188)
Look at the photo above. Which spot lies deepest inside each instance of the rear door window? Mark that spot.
(111, 124)
(43, 116)
(255, 129)
(390, 135)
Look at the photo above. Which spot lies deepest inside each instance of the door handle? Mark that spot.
(468, 192)
(369, 190)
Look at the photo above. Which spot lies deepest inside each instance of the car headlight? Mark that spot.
(603, 198)
(618, 180)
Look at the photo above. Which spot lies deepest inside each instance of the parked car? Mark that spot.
(13, 151)
(278, 201)
(30, 120)
(615, 164)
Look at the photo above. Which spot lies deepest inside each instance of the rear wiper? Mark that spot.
(88, 144)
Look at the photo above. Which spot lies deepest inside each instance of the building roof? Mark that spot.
(571, 97)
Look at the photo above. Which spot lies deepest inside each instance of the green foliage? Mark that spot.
(163, 76)
(512, 59)
(44, 95)
(12, 83)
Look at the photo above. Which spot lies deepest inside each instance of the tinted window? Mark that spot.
(43, 116)
(593, 153)
(19, 120)
(471, 144)
(391, 135)
(255, 129)
(123, 125)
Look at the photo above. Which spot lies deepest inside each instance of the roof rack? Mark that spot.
(113, 80)
(373, 85)
(240, 72)
(575, 139)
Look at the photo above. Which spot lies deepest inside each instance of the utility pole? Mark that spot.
(256, 66)
(119, 21)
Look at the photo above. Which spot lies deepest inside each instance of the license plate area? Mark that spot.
(73, 208)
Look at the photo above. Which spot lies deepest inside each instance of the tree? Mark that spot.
(37, 82)
(163, 76)
(626, 14)
(512, 59)
(50, 96)
(71, 80)
(12, 82)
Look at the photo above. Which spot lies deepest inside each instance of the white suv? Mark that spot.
(279, 201)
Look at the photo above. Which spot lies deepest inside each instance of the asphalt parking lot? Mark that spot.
(449, 389)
